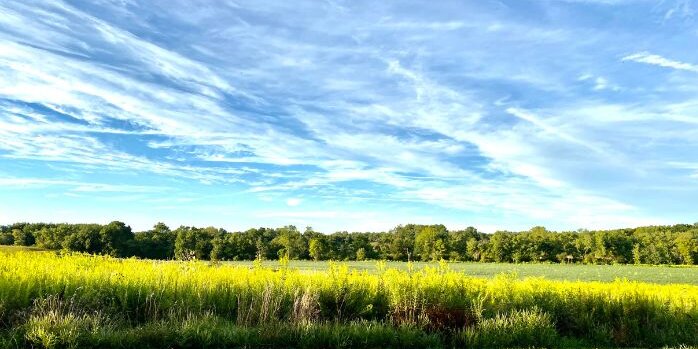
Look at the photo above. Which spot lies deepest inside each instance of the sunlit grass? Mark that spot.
(54, 301)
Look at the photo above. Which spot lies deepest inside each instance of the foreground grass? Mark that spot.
(74, 301)
(213, 332)
(661, 274)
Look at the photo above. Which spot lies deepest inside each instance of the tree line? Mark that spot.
(675, 244)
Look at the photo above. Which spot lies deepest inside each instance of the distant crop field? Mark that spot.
(10, 249)
(661, 274)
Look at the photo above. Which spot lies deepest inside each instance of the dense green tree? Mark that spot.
(401, 242)
(687, 246)
(429, 243)
(22, 237)
(115, 239)
(458, 243)
(157, 243)
(291, 242)
(568, 251)
(637, 254)
(473, 249)
(6, 238)
(545, 245)
(657, 245)
(360, 254)
(585, 244)
(52, 237)
(360, 245)
(194, 243)
(264, 248)
(499, 247)
(317, 248)
(677, 244)
(86, 238)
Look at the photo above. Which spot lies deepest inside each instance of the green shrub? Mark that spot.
(526, 328)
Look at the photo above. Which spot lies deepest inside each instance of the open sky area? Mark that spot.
(350, 115)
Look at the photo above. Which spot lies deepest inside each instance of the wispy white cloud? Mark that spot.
(680, 9)
(556, 131)
(360, 102)
(653, 59)
(77, 186)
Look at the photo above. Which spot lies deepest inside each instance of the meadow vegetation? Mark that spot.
(64, 300)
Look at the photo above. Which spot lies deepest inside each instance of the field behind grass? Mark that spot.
(49, 300)
(11, 249)
(660, 274)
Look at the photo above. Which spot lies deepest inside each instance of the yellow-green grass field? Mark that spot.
(661, 274)
(49, 300)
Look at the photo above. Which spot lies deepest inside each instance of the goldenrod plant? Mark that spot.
(51, 300)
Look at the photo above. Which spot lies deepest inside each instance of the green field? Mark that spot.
(10, 249)
(661, 274)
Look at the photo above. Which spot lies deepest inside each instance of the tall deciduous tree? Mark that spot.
(291, 242)
(429, 243)
(317, 248)
(115, 238)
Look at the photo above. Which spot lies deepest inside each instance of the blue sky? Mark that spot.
(350, 115)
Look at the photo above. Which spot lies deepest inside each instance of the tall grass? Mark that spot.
(63, 301)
